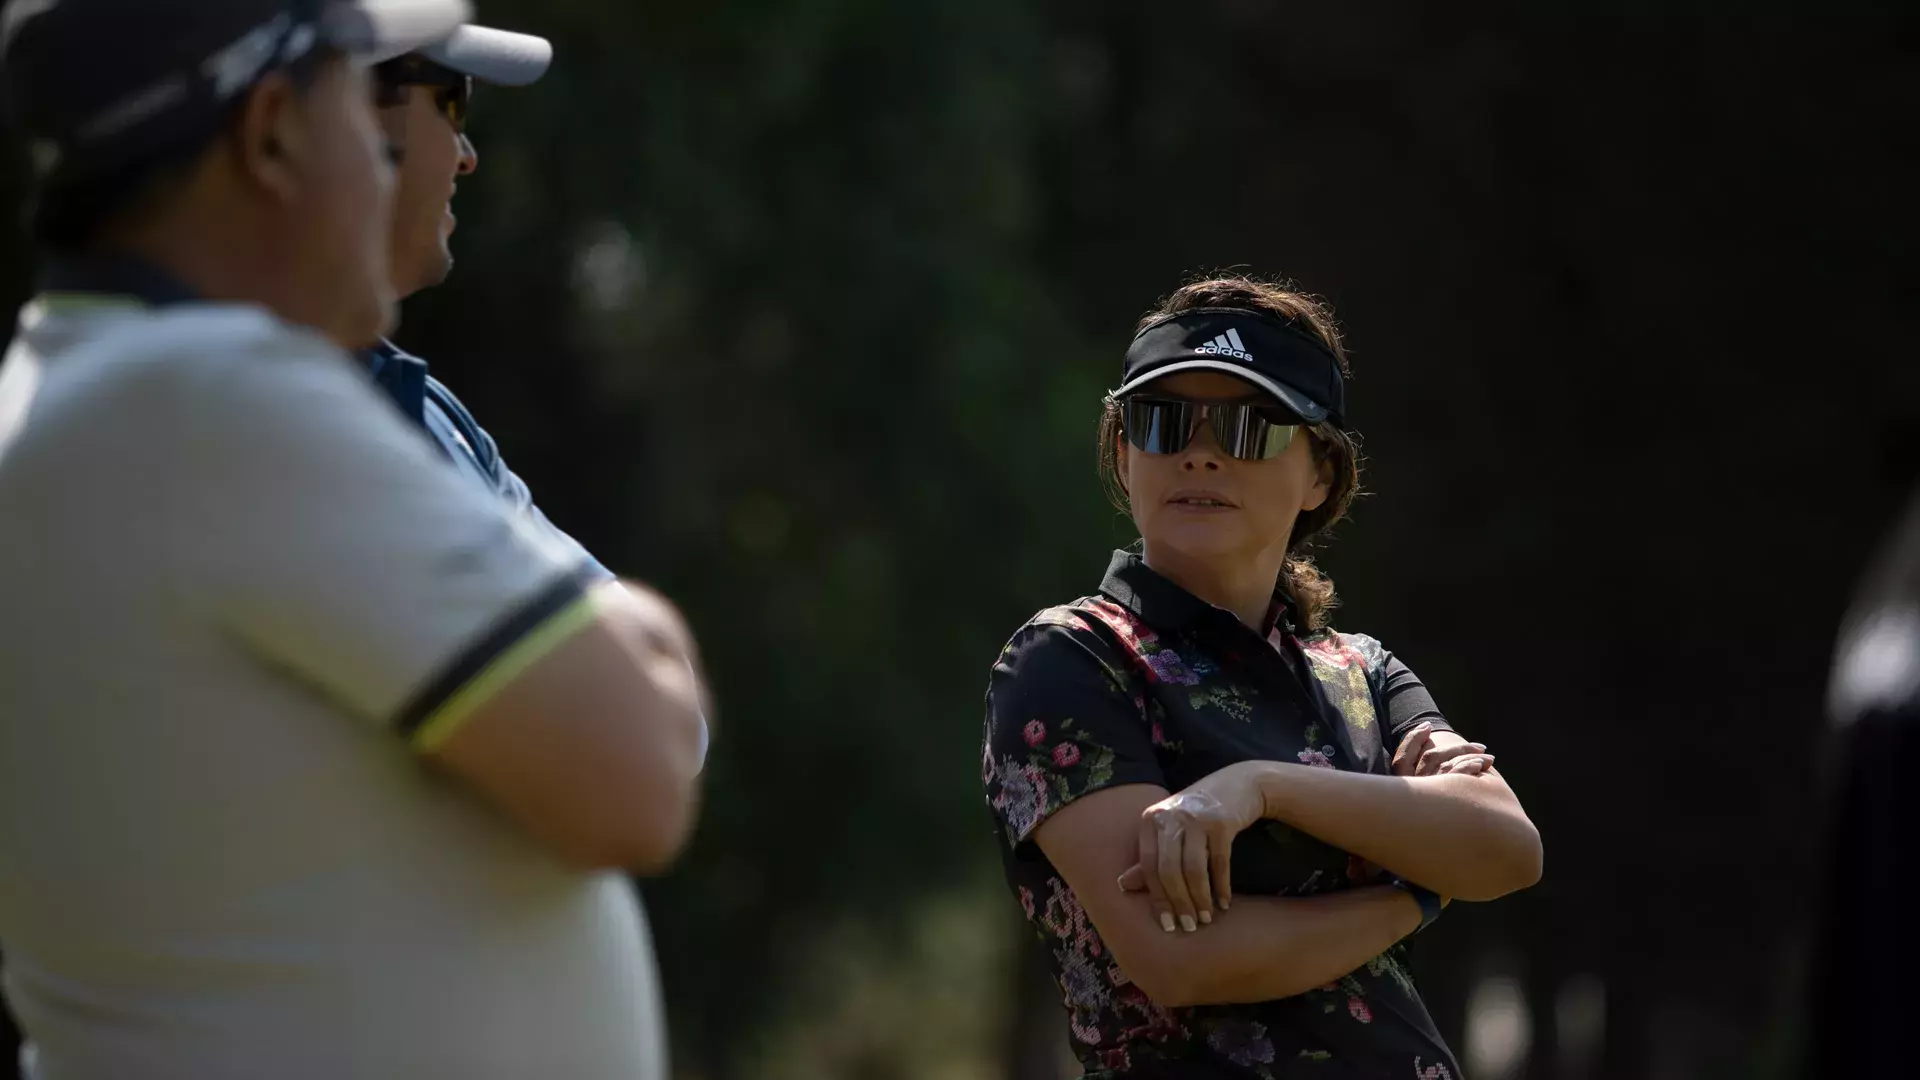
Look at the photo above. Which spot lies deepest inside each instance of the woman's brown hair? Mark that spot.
(1310, 590)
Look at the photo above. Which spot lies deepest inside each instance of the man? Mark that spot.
(423, 100)
(1860, 999)
(316, 759)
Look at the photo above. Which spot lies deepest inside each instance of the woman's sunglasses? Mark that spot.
(1248, 431)
(452, 91)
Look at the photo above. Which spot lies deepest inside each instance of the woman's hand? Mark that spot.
(1426, 752)
(1186, 844)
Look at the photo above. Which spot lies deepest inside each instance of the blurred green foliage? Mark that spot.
(780, 263)
(802, 309)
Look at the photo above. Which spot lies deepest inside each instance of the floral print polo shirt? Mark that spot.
(1147, 684)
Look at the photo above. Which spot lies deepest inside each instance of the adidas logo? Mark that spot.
(1227, 344)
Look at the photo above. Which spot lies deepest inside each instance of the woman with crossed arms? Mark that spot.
(1220, 815)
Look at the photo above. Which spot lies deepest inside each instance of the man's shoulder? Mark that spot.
(180, 386)
(177, 343)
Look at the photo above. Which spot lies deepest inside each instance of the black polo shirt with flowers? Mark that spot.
(1147, 684)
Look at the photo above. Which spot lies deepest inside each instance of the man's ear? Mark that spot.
(272, 136)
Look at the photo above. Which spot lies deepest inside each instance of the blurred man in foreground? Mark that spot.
(316, 758)
(1862, 998)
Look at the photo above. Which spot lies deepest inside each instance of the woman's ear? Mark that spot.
(1322, 477)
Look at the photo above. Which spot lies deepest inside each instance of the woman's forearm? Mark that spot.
(1461, 836)
(1264, 948)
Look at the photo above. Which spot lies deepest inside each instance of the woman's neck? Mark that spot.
(1242, 587)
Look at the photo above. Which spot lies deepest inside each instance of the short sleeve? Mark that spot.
(1061, 723)
(1408, 702)
(485, 453)
(516, 490)
(324, 534)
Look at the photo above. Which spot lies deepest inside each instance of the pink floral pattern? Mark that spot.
(1342, 669)
(1159, 663)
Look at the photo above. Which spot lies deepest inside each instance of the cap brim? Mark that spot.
(376, 30)
(501, 57)
(1308, 410)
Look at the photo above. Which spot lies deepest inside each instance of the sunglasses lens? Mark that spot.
(1158, 427)
(1250, 432)
(453, 102)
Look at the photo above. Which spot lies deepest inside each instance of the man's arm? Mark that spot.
(486, 456)
(1262, 949)
(596, 747)
(325, 536)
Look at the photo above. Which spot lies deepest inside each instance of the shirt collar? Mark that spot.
(115, 275)
(1161, 604)
(402, 375)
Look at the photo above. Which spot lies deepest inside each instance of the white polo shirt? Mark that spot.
(238, 591)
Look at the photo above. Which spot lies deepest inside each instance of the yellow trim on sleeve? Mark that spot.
(537, 643)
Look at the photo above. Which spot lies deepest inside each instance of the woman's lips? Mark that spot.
(1201, 502)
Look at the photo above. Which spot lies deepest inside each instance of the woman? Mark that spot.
(1245, 926)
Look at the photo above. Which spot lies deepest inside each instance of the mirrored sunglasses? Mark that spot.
(1247, 431)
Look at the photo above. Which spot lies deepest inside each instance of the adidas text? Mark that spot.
(1227, 344)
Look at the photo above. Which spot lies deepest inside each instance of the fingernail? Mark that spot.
(1425, 725)
(1226, 902)
(1166, 921)
(1206, 917)
(1186, 923)
(1478, 745)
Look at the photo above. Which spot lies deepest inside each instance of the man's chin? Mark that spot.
(431, 271)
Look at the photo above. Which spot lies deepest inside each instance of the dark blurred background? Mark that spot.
(802, 310)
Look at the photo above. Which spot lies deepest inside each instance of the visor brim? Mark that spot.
(1309, 410)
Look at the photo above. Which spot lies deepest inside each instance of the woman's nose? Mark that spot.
(1202, 451)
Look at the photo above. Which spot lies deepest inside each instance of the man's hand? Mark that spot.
(1426, 752)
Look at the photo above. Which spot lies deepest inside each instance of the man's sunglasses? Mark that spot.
(452, 91)
(1249, 431)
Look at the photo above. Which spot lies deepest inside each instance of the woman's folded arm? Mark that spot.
(1263, 948)
(1464, 837)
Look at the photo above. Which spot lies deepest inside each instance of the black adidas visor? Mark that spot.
(1272, 353)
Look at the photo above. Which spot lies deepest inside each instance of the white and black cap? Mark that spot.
(500, 57)
(100, 85)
